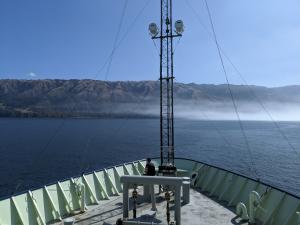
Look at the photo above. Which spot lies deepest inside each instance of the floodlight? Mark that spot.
(153, 29)
(179, 27)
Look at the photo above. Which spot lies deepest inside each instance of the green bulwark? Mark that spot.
(67, 198)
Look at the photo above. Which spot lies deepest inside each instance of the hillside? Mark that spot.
(94, 98)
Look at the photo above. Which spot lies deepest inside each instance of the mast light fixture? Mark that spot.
(179, 27)
(153, 29)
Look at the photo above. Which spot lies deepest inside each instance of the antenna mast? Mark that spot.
(165, 35)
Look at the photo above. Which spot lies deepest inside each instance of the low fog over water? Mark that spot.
(224, 111)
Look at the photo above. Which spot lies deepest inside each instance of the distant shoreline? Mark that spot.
(132, 99)
(99, 116)
(146, 117)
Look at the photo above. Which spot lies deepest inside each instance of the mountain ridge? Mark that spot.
(96, 98)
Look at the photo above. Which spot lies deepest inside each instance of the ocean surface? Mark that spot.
(35, 152)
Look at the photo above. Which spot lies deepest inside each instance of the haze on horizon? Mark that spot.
(72, 39)
(90, 98)
(208, 111)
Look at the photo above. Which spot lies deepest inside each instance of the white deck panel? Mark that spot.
(200, 211)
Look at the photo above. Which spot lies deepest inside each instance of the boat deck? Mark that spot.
(50, 203)
(200, 211)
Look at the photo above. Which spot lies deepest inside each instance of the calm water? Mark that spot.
(34, 152)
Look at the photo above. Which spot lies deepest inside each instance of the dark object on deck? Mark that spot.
(150, 168)
(119, 222)
(168, 170)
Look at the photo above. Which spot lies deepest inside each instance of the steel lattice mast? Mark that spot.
(166, 78)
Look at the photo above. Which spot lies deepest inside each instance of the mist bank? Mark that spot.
(226, 111)
(94, 98)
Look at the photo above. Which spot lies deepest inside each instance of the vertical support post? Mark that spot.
(125, 200)
(153, 200)
(172, 83)
(177, 204)
(146, 192)
(82, 199)
(161, 82)
(166, 86)
(186, 192)
(134, 196)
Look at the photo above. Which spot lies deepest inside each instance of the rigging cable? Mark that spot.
(281, 132)
(239, 73)
(41, 153)
(107, 71)
(216, 128)
(123, 38)
(230, 91)
(84, 165)
(176, 45)
(36, 163)
(112, 54)
(20, 182)
(116, 38)
(117, 130)
(155, 45)
(138, 15)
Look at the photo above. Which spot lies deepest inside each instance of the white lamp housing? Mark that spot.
(153, 29)
(179, 27)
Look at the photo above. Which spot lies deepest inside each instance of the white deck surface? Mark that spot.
(200, 211)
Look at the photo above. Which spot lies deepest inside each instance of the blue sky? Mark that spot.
(72, 39)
